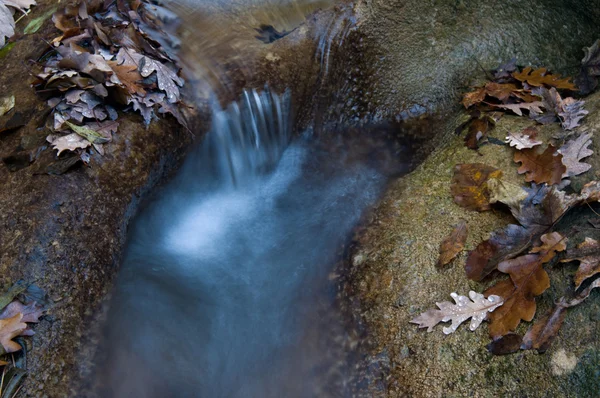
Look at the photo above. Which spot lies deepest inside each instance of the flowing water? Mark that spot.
(225, 288)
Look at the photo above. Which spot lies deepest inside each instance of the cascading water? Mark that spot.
(224, 291)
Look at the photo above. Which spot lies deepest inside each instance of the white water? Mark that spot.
(224, 284)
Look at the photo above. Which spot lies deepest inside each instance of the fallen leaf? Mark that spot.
(542, 333)
(469, 185)
(505, 192)
(503, 243)
(31, 313)
(588, 255)
(506, 344)
(69, 142)
(573, 151)
(521, 106)
(478, 128)
(552, 243)
(528, 279)
(9, 329)
(129, 76)
(505, 69)
(477, 309)
(92, 136)
(474, 97)
(545, 167)
(587, 80)
(6, 104)
(539, 77)
(571, 112)
(453, 244)
(521, 141)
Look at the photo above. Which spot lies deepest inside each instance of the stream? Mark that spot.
(226, 288)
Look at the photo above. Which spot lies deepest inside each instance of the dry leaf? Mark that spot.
(69, 142)
(503, 243)
(9, 329)
(477, 309)
(478, 128)
(521, 141)
(505, 192)
(453, 244)
(571, 112)
(31, 313)
(542, 333)
(587, 80)
(469, 185)
(506, 344)
(520, 107)
(575, 150)
(541, 77)
(528, 279)
(475, 97)
(588, 255)
(545, 167)
(551, 244)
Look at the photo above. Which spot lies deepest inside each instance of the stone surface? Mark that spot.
(396, 280)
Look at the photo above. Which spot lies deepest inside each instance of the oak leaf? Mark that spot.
(539, 77)
(69, 142)
(587, 80)
(521, 141)
(478, 128)
(9, 329)
(453, 244)
(588, 255)
(571, 112)
(528, 279)
(552, 243)
(518, 108)
(542, 333)
(507, 344)
(31, 312)
(469, 185)
(474, 97)
(575, 150)
(544, 167)
(476, 308)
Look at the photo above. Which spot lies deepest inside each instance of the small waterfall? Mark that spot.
(224, 288)
(333, 33)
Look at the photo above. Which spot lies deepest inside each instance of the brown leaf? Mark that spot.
(588, 255)
(575, 150)
(129, 76)
(542, 333)
(31, 313)
(587, 80)
(545, 167)
(528, 279)
(503, 243)
(469, 187)
(540, 77)
(478, 128)
(9, 329)
(551, 244)
(506, 344)
(453, 244)
(520, 107)
(475, 97)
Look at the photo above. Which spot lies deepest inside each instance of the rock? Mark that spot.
(419, 208)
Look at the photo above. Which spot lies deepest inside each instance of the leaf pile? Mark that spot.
(531, 90)
(102, 62)
(7, 22)
(521, 251)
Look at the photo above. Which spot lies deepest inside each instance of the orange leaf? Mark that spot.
(527, 280)
(541, 167)
(469, 185)
(475, 97)
(9, 329)
(540, 77)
